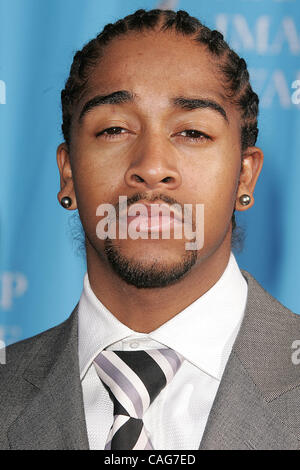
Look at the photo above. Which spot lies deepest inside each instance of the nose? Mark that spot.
(154, 165)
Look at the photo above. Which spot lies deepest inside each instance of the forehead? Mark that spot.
(157, 60)
(156, 66)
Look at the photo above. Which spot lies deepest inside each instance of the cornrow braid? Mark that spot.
(232, 68)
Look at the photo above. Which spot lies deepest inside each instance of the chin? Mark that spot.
(149, 267)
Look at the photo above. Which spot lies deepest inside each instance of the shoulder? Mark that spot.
(18, 356)
(266, 340)
(259, 298)
(45, 358)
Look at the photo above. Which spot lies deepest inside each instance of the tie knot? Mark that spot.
(135, 378)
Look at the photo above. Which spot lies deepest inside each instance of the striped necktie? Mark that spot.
(134, 379)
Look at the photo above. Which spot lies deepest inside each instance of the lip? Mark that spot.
(155, 220)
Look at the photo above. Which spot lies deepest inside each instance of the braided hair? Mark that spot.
(232, 67)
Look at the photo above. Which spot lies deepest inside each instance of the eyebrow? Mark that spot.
(124, 96)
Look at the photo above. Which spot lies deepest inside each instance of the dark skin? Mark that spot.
(155, 154)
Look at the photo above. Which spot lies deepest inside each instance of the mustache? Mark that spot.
(146, 198)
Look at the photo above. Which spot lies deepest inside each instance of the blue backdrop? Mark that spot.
(40, 274)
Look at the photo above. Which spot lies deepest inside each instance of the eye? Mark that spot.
(111, 132)
(194, 135)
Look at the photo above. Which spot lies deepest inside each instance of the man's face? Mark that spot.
(154, 153)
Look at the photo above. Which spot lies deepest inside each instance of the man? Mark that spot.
(171, 346)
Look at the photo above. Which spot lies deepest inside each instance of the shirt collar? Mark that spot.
(204, 332)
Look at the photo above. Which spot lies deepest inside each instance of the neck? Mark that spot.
(144, 310)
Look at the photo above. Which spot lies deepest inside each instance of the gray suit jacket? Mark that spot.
(257, 405)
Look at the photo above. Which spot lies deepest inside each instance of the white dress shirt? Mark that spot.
(203, 333)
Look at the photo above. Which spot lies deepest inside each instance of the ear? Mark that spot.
(252, 161)
(65, 171)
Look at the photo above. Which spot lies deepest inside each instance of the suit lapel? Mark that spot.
(259, 383)
(54, 416)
